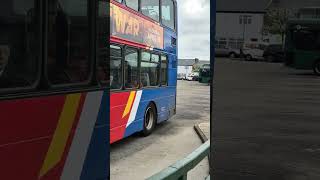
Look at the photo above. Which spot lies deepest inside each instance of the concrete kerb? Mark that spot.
(203, 138)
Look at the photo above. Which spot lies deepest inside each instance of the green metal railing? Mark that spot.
(179, 170)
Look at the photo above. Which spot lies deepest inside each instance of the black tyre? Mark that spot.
(316, 68)
(150, 120)
(232, 55)
(248, 57)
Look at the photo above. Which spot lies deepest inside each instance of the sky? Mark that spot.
(194, 29)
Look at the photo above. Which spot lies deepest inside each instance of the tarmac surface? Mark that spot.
(267, 122)
(137, 158)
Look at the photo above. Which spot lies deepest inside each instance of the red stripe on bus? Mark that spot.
(114, 39)
(57, 170)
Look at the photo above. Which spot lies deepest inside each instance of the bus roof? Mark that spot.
(312, 23)
(304, 21)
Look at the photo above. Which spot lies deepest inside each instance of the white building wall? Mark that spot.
(228, 26)
(184, 70)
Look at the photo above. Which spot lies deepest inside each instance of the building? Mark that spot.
(239, 20)
(306, 9)
(187, 66)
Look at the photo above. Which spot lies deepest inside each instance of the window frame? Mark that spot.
(41, 86)
(174, 15)
(91, 18)
(123, 68)
(159, 20)
(167, 70)
(139, 5)
(122, 47)
(159, 69)
(5, 92)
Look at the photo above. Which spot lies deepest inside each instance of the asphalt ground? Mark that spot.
(137, 158)
(267, 122)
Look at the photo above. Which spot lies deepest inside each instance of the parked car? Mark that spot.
(195, 76)
(181, 76)
(253, 50)
(190, 77)
(224, 51)
(274, 53)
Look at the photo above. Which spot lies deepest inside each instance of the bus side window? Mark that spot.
(151, 8)
(103, 50)
(68, 42)
(131, 68)
(168, 13)
(133, 4)
(150, 69)
(115, 67)
(19, 41)
(164, 71)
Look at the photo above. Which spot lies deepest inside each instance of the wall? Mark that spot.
(228, 26)
(184, 70)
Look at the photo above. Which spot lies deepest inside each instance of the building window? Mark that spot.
(150, 8)
(244, 19)
(167, 13)
(115, 67)
(19, 42)
(131, 68)
(164, 70)
(68, 60)
(150, 69)
(133, 4)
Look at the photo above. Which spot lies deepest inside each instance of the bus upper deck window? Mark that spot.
(133, 4)
(18, 44)
(168, 15)
(151, 8)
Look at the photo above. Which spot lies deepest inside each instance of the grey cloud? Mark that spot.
(194, 29)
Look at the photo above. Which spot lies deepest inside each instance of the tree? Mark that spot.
(196, 66)
(275, 21)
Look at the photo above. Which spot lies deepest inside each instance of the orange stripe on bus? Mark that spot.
(129, 104)
(62, 132)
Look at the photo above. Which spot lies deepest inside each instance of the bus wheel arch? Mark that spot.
(316, 67)
(150, 119)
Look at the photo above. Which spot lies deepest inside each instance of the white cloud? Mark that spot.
(194, 29)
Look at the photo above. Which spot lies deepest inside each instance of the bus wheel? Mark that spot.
(248, 57)
(232, 55)
(316, 68)
(150, 120)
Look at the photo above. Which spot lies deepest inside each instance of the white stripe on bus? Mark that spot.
(82, 138)
(134, 109)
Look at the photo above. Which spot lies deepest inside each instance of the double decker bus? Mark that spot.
(143, 65)
(54, 89)
(205, 74)
(302, 46)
